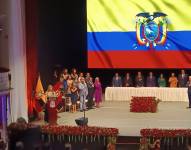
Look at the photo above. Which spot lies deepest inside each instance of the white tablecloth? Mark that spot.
(165, 94)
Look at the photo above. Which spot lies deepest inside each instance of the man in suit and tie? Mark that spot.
(117, 81)
(189, 91)
(139, 80)
(182, 79)
(151, 80)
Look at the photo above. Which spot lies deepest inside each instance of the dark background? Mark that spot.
(62, 41)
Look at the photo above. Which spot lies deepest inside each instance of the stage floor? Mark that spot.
(117, 114)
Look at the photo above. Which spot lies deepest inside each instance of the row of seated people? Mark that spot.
(75, 87)
(151, 81)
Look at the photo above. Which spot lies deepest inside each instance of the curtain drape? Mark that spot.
(31, 10)
(17, 59)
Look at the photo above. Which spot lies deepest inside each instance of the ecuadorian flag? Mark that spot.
(126, 34)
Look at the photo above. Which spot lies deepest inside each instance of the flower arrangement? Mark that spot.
(160, 133)
(79, 131)
(144, 104)
(80, 134)
(61, 133)
(167, 137)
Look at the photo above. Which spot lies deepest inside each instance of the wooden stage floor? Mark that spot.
(117, 114)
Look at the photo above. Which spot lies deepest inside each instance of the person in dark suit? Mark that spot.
(151, 80)
(139, 80)
(189, 91)
(91, 90)
(128, 82)
(182, 79)
(116, 81)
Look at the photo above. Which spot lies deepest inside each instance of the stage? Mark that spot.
(116, 114)
(170, 115)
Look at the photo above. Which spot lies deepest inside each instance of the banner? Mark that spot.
(139, 34)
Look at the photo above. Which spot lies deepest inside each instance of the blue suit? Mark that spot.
(151, 82)
(182, 80)
(116, 82)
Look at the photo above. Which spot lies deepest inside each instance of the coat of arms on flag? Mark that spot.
(151, 29)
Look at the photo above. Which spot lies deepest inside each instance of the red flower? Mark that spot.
(75, 130)
(159, 133)
(143, 104)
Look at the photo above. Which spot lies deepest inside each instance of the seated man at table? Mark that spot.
(139, 80)
(116, 81)
(151, 80)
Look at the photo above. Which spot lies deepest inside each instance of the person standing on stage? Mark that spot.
(116, 81)
(81, 75)
(74, 74)
(59, 85)
(90, 95)
(65, 75)
(74, 97)
(83, 92)
(151, 80)
(128, 82)
(182, 79)
(55, 77)
(50, 108)
(161, 81)
(49, 93)
(98, 92)
(189, 91)
(173, 80)
(139, 80)
(69, 81)
(87, 76)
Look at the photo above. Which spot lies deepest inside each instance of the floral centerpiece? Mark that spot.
(144, 104)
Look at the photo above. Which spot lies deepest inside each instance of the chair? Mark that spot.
(60, 107)
(68, 103)
(78, 105)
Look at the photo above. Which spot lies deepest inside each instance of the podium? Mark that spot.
(52, 110)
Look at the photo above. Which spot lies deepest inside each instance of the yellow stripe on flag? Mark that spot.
(119, 15)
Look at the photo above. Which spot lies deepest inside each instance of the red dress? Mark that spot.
(52, 111)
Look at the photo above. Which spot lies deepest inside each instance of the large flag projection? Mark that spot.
(139, 33)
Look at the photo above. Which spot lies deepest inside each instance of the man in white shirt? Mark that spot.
(83, 92)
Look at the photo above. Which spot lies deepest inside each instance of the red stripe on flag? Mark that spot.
(139, 59)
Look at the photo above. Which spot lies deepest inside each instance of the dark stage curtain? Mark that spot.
(31, 51)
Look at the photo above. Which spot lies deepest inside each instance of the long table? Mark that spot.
(165, 94)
